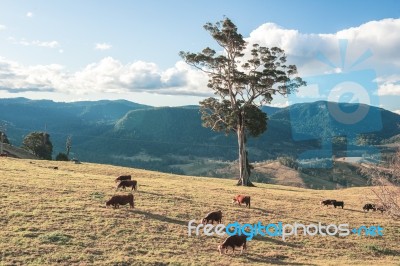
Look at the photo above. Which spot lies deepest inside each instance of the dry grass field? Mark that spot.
(58, 217)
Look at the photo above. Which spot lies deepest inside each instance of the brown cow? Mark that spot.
(128, 183)
(117, 200)
(233, 241)
(123, 177)
(241, 199)
(212, 216)
(381, 208)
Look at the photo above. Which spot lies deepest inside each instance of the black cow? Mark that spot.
(338, 204)
(212, 216)
(369, 206)
(233, 241)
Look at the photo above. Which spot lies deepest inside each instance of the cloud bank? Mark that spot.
(108, 75)
(381, 38)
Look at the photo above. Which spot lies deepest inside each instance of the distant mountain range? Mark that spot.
(168, 138)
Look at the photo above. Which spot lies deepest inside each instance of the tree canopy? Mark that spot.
(39, 144)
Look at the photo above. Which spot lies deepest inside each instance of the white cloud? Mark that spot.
(389, 85)
(51, 44)
(2, 27)
(397, 111)
(389, 89)
(29, 14)
(382, 38)
(18, 78)
(106, 76)
(24, 42)
(102, 46)
(280, 104)
(310, 92)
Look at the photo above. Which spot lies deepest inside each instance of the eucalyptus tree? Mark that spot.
(243, 77)
(39, 144)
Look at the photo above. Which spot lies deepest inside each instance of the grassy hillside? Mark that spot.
(57, 216)
(16, 152)
(343, 174)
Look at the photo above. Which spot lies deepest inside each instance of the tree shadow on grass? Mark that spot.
(152, 193)
(167, 196)
(276, 241)
(262, 210)
(289, 189)
(273, 261)
(162, 218)
(353, 210)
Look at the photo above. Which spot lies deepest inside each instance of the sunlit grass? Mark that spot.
(50, 217)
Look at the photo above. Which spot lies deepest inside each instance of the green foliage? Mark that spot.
(367, 139)
(99, 196)
(62, 157)
(39, 144)
(289, 162)
(241, 83)
(55, 238)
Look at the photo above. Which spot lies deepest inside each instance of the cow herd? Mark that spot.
(374, 207)
(124, 181)
(367, 206)
(235, 241)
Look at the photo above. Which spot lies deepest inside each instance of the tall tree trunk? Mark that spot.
(244, 175)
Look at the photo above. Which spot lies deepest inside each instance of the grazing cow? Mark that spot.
(338, 204)
(128, 183)
(117, 200)
(123, 177)
(369, 206)
(241, 199)
(233, 241)
(327, 202)
(381, 208)
(212, 216)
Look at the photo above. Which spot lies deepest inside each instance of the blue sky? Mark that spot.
(90, 50)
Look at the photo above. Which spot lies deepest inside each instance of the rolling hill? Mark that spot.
(58, 217)
(171, 139)
(342, 174)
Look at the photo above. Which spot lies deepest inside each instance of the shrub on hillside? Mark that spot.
(62, 157)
